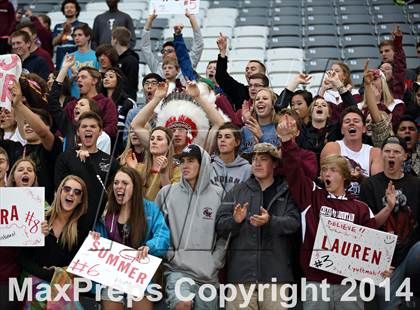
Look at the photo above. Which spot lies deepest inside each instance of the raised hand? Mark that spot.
(303, 78)
(397, 31)
(222, 43)
(67, 28)
(178, 29)
(131, 159)
(82, 155)
(161, 90)
(15, 92)
(285, 129)
(95, 235)
(246, 111)
(44, 228)
(332, 78)
(68, 61)
(240, 212)
(260, 220)
(368, 75)
(391, 196)
(254, 127)
(192, 89)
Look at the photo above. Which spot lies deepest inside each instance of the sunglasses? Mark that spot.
(76, 191)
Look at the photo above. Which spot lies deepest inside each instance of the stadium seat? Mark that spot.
(361, 51)
(386, 9)
(252, 20)
(280, 79)
(223, 3)
(240, 77)
(318, 65)
(412, 62)
(277, 3)
(320, 30)
(246, 54)
(213, 32)
(320, 10)
(256, 4)
(275, 42)
(390, 18)
(250, 31)
(320, 41)
(210, 43)
(349, 10)
(317, 2)
(285, 20)
(361, 29)
(161, 23)
(237, 67)
(220, 21)
(97, 6)
(360, 40)
(317, 79)
(40, 8)
(363, 18)
(359, 3)
(285, 65)
(128, 7)
(249, 42)
(221, 13)
(386, 29)
(285, 53)
(286, 11)
(357, 78)
(320, 20)
(209, 54)
(246, 12)
(285, 31)
(324, 52)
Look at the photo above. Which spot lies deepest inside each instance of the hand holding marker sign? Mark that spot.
(352, 250)
(10, 70)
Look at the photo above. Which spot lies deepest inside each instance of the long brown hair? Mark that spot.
(11, 180)
(137, 218)
(148, 160)
(68, 236)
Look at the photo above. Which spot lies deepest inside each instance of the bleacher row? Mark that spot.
(289, 35)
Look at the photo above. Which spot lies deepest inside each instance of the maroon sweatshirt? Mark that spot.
(8, 19)
(312, 202)
(9, 267)
(108, 111)
(44, 35)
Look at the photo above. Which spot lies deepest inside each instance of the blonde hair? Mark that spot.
(11, 182)
(386, 95)
(341, 163)
(273, 101)
(68, 236)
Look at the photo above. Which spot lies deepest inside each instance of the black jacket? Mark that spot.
(256, 255)
(128, 62)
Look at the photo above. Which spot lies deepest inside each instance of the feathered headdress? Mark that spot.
(180, 110)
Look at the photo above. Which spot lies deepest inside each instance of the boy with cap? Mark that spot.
(314, 202)
(260, 218)
(196, 255)
(394, 197)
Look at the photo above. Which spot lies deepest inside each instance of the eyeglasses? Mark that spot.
(167, 51)
(68, 189)
(153, 83)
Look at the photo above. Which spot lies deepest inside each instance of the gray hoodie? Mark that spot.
(195, 250)
(228, 175)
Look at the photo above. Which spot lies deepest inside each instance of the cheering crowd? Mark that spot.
(226, 182)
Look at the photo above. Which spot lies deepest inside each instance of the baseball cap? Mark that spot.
(191, 150)
(395, 140)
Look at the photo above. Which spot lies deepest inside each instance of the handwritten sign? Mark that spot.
(163, 7)
(10, 69)
(115, 265)
(352, 250)
(21, 214)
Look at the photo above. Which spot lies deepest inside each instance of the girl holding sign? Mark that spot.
(64, 239)
(136, 222)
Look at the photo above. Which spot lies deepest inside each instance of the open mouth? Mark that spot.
(25, 179)
(352, 130)
(319, 112)
(327, 182)
(391, 164)
(211, 75)
(407, 139)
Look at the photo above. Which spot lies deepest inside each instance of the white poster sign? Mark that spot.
(115, 265)
(352, 250)
(21, 214)
(164, 7)
(10, 69)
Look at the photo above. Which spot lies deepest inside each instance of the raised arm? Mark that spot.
(24, 114)
(181, 51)
(146, 45)
(198, 44)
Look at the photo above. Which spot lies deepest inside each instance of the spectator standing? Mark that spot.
(7, 26)
(128, 60)
(105, 22)
(62, 33)
(84, 56)
(31, 63)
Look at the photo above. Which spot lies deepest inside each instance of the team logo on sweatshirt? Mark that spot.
(208, 213)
